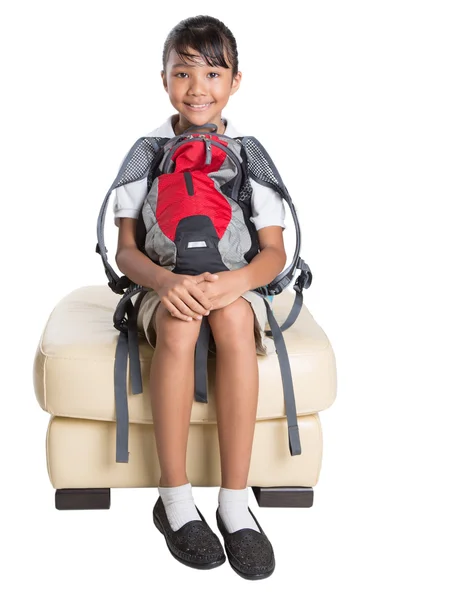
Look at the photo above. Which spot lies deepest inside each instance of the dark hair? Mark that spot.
(206, 35)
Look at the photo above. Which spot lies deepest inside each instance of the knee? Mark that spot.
(175, 334)
(233, 321)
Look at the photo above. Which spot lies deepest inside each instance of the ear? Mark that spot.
(163, 77)
(236, 83)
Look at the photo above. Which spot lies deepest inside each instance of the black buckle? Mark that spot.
(119, 286)
(305, 278)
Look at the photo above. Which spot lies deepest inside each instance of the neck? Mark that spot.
(180, 125)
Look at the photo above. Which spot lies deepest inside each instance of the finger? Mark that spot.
(198, 301)
(205, 277)
(188, 306)
(174, 311)
(194, 298)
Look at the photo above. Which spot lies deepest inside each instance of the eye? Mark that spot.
(179, 74)
(215, 75)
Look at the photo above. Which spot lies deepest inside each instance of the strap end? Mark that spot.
(122, 455)
(294, 440)
(136, 387)
(201, 398)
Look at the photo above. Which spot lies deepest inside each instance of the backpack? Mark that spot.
(196, 218)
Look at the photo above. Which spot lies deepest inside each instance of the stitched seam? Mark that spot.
(44, 384)
(47, 450)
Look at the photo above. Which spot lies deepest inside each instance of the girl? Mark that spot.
(200, 73)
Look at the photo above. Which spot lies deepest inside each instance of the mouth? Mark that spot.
(198, 107)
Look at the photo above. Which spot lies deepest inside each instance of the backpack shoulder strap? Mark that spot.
(135, 166)
(262, 169)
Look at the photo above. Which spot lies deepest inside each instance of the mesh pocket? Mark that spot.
(258, 164)
(139, 164)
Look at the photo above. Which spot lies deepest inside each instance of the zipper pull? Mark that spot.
(208, 151)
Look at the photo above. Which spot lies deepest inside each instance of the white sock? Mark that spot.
(234, 511)
(179, 505)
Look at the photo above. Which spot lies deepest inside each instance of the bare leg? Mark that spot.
(172, 393)
(237, 388)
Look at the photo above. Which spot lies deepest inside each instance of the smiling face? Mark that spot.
(198, 91)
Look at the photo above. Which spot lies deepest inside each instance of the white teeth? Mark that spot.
(198, 105)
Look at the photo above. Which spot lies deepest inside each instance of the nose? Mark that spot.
(198, 86)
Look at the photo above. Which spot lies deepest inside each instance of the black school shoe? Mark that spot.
(194, 544)
(249, 552)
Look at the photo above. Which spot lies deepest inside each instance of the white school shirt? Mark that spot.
(267, 206)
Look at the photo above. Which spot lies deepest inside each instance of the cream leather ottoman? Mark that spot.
(74, 383)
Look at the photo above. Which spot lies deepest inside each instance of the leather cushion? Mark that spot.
(74, 362)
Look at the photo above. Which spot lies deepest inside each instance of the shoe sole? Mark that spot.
(202, 566)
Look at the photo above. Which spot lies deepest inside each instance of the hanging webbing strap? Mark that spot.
(200, 362)
(133, 345)
(286, 377)
(292, 317)
(121, 398)
(127, 345)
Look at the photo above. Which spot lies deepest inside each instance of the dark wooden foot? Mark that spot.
(82, 499)
(284, 496)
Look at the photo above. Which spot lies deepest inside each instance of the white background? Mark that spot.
(355, 102)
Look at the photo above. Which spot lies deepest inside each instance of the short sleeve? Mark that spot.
(128, 199)
(267, 207)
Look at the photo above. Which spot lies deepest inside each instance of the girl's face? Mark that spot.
(197, 91)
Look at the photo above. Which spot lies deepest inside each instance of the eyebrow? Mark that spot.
(194, 66)
(185, 65)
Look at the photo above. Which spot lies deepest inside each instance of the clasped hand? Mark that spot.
(227, 288)
(190, 297)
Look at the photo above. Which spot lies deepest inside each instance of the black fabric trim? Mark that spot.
(245, 205)
(189, 183)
